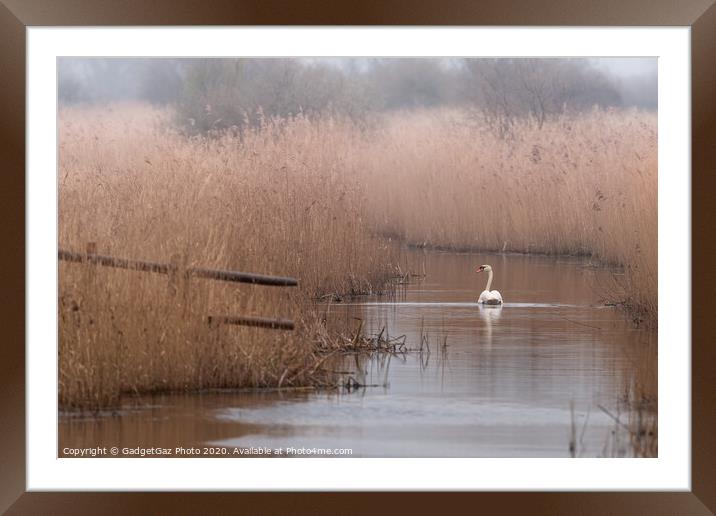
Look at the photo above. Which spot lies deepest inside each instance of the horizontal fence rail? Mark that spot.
(257, 322)
(163, 268)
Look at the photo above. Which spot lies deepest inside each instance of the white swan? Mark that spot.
(489, 297)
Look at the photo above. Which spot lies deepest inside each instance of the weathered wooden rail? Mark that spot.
(166, 268)
(174, 270)
(257, 322)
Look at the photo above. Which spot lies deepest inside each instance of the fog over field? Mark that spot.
(374, 83)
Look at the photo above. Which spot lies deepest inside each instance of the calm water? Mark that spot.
(510, 381)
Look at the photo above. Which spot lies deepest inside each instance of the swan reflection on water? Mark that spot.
(490, 314)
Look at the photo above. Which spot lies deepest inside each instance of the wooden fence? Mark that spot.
(175, 270)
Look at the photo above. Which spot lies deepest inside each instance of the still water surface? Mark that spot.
(521, 380)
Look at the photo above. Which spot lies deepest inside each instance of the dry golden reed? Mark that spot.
(277, 202)
(315, 199)
(583, 184)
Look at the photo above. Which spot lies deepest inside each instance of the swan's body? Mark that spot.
(489, 297)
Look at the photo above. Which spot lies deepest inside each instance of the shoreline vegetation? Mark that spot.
(310, 198)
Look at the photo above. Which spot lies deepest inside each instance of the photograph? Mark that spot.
(414, 253)
(350, 257)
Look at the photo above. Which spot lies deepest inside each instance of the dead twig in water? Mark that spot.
(579, 323)
(615, 418)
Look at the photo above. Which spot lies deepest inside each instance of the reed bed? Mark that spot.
(322, 200)
(584, 184)
(275, 201)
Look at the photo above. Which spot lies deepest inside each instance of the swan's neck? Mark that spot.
(489, 280)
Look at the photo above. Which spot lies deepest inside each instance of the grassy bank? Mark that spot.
(315, 199)
(276, 203)
(581, 185)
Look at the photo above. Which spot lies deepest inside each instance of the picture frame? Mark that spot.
(16, 16)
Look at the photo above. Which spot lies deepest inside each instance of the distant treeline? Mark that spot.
(229, 92)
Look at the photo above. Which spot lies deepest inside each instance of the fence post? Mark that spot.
(91, 250)
(175, 262)
(179, 281)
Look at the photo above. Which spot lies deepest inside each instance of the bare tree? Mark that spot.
(505, 90)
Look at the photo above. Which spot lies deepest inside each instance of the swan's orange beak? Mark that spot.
(479, 269)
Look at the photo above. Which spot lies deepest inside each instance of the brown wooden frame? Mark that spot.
(16, 15)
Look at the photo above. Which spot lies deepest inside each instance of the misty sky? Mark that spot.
(619, 67)
(626, 67)
(634, 79)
